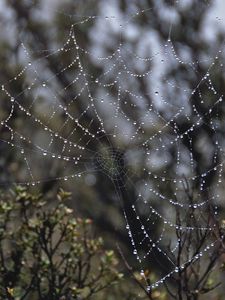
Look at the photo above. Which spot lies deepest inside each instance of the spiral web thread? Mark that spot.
(62, 147)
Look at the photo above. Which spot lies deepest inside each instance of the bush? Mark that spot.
(46, 253)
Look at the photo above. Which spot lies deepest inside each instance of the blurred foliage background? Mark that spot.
(30, 34)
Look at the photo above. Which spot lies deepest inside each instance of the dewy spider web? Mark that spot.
(111, 128)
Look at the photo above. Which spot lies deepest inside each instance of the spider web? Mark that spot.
(121, 132)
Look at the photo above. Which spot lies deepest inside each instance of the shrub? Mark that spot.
(46, 253)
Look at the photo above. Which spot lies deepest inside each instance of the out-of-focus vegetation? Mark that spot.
(44, 30)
